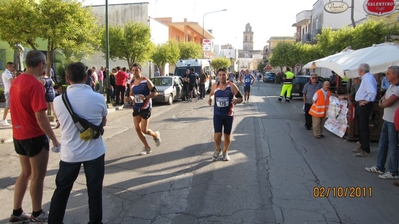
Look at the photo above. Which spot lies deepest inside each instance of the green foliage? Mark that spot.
(330, 42)
(166, 53)
(261, 66)
(20, 22)
(60, 71)
(131, 42)
(284, 54)
(64, 24)
(220, 63)
(190, 50)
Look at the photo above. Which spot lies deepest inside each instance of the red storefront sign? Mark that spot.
(379, 7)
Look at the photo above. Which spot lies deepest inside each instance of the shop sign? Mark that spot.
(336, 7)
(379, 7)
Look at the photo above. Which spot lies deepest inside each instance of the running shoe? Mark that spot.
(42, 218)
(226, 156)
(145, 151)
(157, 139)
(216, 154)
(23, 218)
(5, 123)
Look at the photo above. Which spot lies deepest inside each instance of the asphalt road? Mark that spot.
(276, 173)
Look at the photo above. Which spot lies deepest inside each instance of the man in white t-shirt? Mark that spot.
(91, 106)
(388, 143)
(7, 77)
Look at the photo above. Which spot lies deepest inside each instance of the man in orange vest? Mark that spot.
(321, 100)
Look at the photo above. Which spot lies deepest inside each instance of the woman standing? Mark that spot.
(49, 94)
(142, 90)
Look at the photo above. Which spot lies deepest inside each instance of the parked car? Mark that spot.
(269, 77)
(170, 88)
(298, 84)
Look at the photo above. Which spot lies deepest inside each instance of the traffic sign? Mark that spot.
(206, 42)
(206, 48)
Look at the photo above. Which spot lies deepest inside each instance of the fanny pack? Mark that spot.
(87, 130)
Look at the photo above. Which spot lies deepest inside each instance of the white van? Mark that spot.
(197, 64)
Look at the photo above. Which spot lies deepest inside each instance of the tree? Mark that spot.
(64, 24)
(190, 50)
(220, 63)
(261, 66)
(131, 42)
(284, 54)
(19, 22)
(166, 53)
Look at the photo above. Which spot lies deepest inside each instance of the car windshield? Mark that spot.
(162, 81)
(300, 80)
(181, 71)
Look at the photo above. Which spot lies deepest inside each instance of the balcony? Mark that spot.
(303, 17)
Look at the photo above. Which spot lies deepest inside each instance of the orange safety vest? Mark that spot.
(320, 107)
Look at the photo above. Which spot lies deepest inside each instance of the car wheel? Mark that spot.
(170, 100)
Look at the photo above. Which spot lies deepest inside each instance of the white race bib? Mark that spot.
(137, 99)
(222, 102)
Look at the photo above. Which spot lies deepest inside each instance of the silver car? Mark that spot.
(170, 88)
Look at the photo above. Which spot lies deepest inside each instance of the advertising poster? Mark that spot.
(337, 121)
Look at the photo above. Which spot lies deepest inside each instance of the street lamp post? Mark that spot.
(108, 70)
(203, 27)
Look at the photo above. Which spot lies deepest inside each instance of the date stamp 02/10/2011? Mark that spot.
(342, 192)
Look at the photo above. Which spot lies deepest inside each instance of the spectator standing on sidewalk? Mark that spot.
(321, 100)
(143, 90)
(100, 75)
(309, 90)
(202, 80)
(121, 78)
(7, 78)
(186, 84)
(223, 93)
(364, 98)
(388, 143)
(75, 151)
(30, 130)
(48, 84)
(193, 81)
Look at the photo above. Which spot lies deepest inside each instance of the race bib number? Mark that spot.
(137, 99)
(222, 102)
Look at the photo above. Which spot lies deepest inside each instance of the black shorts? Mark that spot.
(247, 89)
(144, 113)
(191, 87)
(31, 147)
(224, 123)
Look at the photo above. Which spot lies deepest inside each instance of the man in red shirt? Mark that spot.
(121, 77)
(30, 128)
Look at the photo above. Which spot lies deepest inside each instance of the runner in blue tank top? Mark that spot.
(224, 101)
(248, 81)
(142, 90)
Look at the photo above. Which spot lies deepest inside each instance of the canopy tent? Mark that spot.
(378, 56)
(326, 61)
